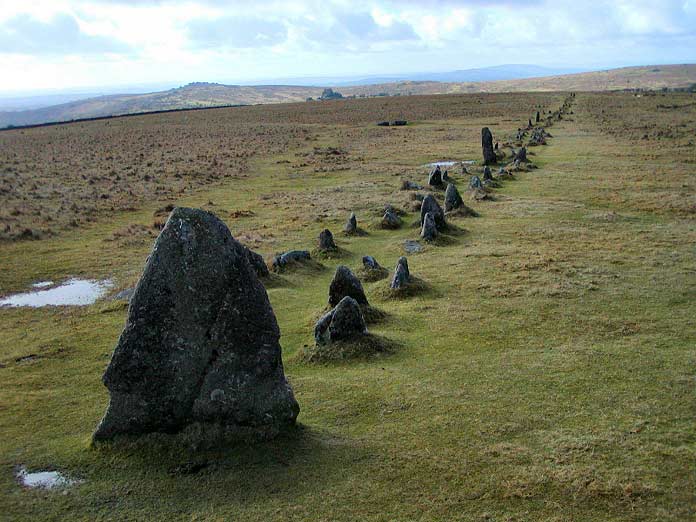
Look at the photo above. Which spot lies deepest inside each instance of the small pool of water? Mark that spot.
(449, 163)
(73, 292)
(43, 479)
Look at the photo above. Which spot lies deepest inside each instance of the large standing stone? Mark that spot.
(200, 343)
(344, 322)
(429, 230)
(453, 199)
(326, 240)
(351, 226)
(402, 276)
(489, 157)
(430, 204)
(345, 283)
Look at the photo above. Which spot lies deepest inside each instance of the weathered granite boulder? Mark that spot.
(431, 205)
(475, 183)
(402, 276)
(370, 263)
(280, 261)
(326, 240)
(409, 185)
(521, 155)
(200, 345)
(257, 262)
(345, 283)
(429, 230)
(344, 322)
(351, 226)
(435, 177)
(489, 157)
(452, 198)
(390, 219)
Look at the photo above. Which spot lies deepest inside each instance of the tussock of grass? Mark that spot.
(415, 287)
(371, 275)
(364, 347)
(336, 253)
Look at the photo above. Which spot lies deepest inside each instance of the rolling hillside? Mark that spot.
(199, 95)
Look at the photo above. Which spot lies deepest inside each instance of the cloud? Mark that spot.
(60, 35)
(236, 32)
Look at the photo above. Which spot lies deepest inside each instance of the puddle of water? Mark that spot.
(42, 284)
(449, 163)
(43, 479)
(74, 292)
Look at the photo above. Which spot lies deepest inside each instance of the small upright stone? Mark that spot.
(326, 240)
(344, 322)
(431, 205)
(429, 230)
(475, 183)
(351, 226)
(487, 176)
(435, 177)
(521, 155)
(453, 199)
(370, 263)
(344, 283)
(489, 157)
(390, 219)
(538, 117)
(402, 276)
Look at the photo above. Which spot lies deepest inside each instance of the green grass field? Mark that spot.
(547, 373)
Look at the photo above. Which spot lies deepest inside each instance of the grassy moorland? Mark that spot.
(547, 373)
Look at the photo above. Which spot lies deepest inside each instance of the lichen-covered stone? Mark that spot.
(351, 226)
(431, 205)
(370, 263)
(453, 199)
(402, 276)
(345, 283)
(201, 342)
(342, 323)
(429, 230)
(326, 240)
(489, 157)
(293, 256)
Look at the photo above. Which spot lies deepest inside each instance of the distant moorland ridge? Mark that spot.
(201, 95)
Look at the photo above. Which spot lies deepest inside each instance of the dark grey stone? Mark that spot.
(293, 256)
(370, 263)
(435, 177)
(351, 226)
(429, 230)
(521, 155)
(402, 276)
(412, 247)
(487, 176)
(390, 219)
(452, 198)
(257, 262)
(475, 183)
(326, 240)
(344, 322)
(201, 341)
(431, 205)
(345, 283)
(489, 157)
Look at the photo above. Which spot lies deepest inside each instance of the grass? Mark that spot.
(545, 372)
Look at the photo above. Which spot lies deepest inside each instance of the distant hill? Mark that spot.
(200, 95)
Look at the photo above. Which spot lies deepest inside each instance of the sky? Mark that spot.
(60, 44)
